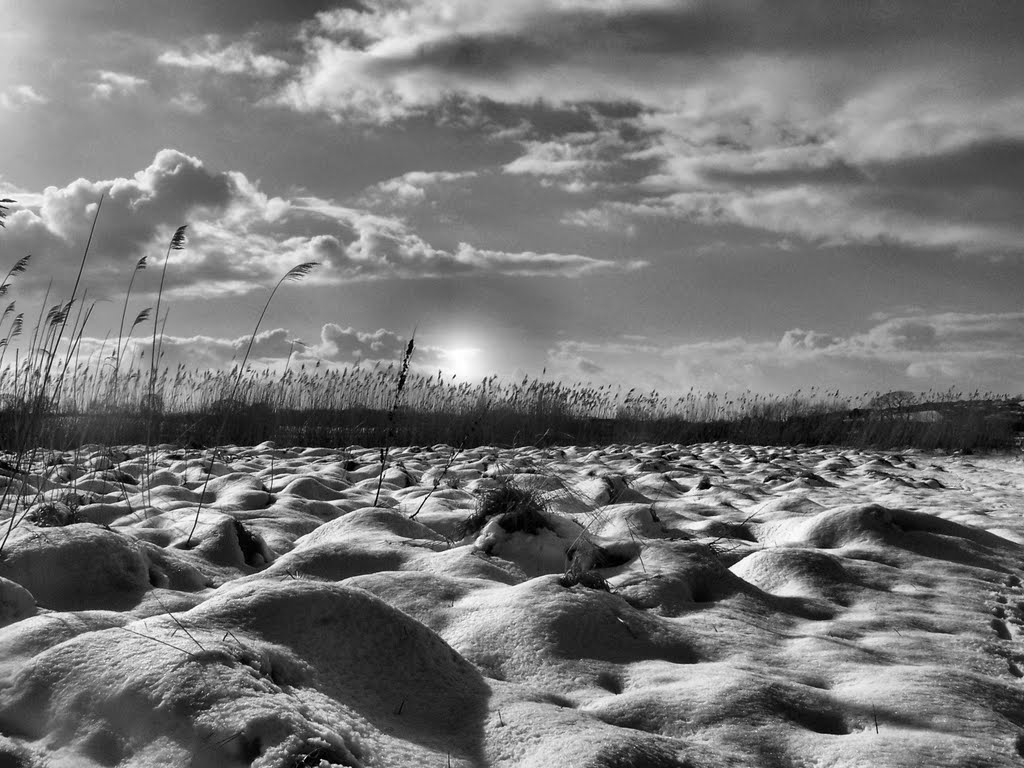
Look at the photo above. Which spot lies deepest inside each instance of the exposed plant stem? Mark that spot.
(139, 266)
(35, 412)
(403, 375)
(296, 273)
(177, 243)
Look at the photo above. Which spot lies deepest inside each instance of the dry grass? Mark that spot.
(50, 397)
(357, 406)
(516, 509)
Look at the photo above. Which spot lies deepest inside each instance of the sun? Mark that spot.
(464, 362)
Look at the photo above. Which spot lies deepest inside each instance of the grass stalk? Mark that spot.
(403, 375)
(38, 398)
(294, 274)
(177, 243)
(119, 351)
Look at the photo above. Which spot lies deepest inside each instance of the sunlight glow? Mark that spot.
(464, 362)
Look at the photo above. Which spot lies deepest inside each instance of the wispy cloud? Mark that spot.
(19, 97)
(615, 154)
(736, 128)
(917, 352)
(369, 245)
(110, 84)
(210, 53)
(412, 188)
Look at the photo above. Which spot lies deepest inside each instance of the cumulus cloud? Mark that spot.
(197, 352)
(138, 213)
(242, 238)
(348, 344)
(336, 346)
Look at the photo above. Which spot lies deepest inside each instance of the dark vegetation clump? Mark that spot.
(517, 509)
(586, 558)
(587, 578)
(59, 511)
(54, 514)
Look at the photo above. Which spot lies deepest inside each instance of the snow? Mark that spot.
(709, 605)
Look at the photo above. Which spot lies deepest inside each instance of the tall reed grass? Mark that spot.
(50, 396)
(319, 406)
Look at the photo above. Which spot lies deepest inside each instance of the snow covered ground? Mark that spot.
(709, 605)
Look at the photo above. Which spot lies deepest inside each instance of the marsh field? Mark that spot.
(521, 384)
(709, 604)
(380, 566)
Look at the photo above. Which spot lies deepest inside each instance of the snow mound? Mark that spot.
(796, 572)
(77, 567)
(16, 602)
(653, 606)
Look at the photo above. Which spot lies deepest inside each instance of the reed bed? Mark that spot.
(319, 406)
(51, 397)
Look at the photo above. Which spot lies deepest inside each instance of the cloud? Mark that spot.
(241, 238)
(368, 245)
(111, 84)
(236, 58)
(603, 219)
(566, 360)
(939, 351)
(197, 352)
(337, 343)
(20, 97)
(409, 55)
(189, 103)
(922, 351)
(138, 215)
(412, 188)
(977, 221)
(614, 154)
(529, 264)
(273, 348)
(836, 122)
(348, 345)
(799, 339)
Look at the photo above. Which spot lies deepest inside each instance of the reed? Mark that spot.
(51, 395)
(296, 273)
(403, 377)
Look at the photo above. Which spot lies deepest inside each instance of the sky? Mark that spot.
(726, 195)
